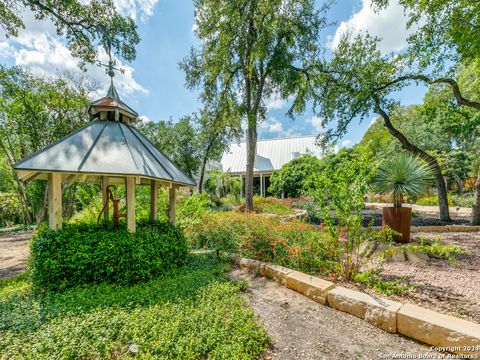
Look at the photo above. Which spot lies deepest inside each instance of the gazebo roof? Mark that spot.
(108, 146)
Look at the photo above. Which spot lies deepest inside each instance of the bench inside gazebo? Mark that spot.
(107, 151)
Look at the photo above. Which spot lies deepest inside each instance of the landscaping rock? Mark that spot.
(275, 272)
(397, 256)
(312, 287)
(379, 249)
(367, 248)
(416, 257)
(253, 266)
(438, 329)
(377, 311)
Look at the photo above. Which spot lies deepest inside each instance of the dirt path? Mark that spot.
(14, 253)
(302, 329)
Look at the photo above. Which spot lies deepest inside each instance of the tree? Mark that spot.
(357, 80)
(295, 178)
(179, 141)
(216, 129)
(33, 114)
(82, 23)
(251, 50)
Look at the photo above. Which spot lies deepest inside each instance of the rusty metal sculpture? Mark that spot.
(116, 212)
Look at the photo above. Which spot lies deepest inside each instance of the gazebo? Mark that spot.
(108, 150)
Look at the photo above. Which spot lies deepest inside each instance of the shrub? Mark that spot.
(373, 279)
(272, 205)
(293, 244)
(295, 177)
(83, 254)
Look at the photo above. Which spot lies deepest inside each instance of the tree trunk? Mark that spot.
(27, 216)
(407, 145)
(251, 151)
(476, 202)
(42, 212)
(202, 175)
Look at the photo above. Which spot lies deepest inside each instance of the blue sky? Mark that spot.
(154, 85)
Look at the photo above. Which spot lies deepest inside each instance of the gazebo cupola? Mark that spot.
(108, 150)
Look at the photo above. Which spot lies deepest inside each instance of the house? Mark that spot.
(271, 155)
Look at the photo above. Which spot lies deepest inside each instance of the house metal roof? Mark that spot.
(271, 154)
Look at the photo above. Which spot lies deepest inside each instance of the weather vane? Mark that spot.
(107, 45)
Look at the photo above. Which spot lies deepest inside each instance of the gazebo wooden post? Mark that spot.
(172, 208)
(55, 201)
(130, 190)
(105, 197)
(153, 200)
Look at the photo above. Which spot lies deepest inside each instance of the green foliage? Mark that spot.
(85, 254)
(191, 208)
(373, 279)
(339, 195)
(81, 23)
(437, 249)
(34, 113)
(295, 177)
(10, 209)
(256, 50)
(292, 243)
(272, 205)
(179, 141)
(191, 312)
(403, 175)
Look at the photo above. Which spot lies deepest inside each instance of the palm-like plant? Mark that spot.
(403, 175)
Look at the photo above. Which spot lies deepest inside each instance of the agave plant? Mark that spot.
(403, 175)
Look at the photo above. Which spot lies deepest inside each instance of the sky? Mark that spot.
(154, 85)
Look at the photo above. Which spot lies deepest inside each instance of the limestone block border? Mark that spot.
(440, 228)
(445, 333)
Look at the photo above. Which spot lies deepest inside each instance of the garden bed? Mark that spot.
(450, 288)
(190, 312)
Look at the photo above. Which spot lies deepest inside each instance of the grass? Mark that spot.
(193, 312)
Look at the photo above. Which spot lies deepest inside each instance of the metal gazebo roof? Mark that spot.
(108, 146)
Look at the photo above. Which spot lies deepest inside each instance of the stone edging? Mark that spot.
(445, 333)
(440, 228)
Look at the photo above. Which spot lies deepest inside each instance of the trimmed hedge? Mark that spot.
(84, 254)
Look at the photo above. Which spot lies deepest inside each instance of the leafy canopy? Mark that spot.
(83, 24)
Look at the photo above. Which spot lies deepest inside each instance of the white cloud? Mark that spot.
(275, 102)
(271, 125)
(373, 121)
(39, 49)
(389, 24)
(145, 119)
(316, 122)
(347, 143)
(134, 8)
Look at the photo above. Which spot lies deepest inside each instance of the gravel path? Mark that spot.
(452, 289)
(303, 329)
(429, 210)
(14, 253)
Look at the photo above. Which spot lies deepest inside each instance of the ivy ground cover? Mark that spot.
(191, 312)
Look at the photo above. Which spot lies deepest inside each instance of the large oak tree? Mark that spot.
(250, 50)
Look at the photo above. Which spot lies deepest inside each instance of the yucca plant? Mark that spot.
(403, 175)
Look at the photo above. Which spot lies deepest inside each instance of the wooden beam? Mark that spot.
(172, 206)
(55, 201)
(106, 216)
(130, 189)
(154, 200)
(26, 175)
